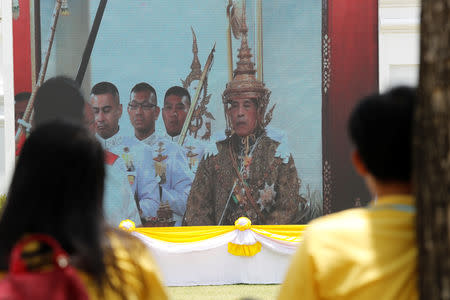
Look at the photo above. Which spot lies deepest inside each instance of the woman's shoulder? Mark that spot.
(132, 254)
(134, 266)
(126, 246)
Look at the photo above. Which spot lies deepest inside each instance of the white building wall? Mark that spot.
(6, 95)
(398, 42)
(2, 110)
(398, 64)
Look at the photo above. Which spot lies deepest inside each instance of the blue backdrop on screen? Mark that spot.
(151, 41)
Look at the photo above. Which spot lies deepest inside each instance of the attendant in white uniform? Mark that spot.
(169, 164)
(101, 116)
(177, 102)
(119, 203)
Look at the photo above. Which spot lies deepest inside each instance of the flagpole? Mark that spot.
(28, 111)
(90, 42)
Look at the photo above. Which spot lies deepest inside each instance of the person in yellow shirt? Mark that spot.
(57, 190)
(370, 252)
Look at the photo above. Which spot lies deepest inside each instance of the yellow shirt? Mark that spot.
(363, 253)
(141, 277)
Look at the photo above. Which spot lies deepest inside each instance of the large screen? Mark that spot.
(255, 73)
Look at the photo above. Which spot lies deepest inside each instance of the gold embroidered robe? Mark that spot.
(271, 179)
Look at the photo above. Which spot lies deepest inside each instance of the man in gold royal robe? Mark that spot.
(251, 172)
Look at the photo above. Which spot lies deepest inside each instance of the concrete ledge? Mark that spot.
(400, 25)
(398, 3)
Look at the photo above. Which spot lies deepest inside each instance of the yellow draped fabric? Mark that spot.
(286, 234)
(184, 234)
(244, 250)
(189, 234)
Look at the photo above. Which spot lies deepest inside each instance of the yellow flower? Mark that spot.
(243, 223)
(127, 225)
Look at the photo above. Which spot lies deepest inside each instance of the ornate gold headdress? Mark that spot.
(244, 83)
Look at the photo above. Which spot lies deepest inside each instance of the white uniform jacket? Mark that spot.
(161, 173)
(193, 150)
(118, 203)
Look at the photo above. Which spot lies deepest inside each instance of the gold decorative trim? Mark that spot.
(327, 182)
(201, 115)
(326, 63)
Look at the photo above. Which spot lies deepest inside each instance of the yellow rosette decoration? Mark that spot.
(127, 225)
(243, 223)
(244, 244)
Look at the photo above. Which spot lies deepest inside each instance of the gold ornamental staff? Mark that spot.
(260, 53)
(190, 113)
(27, 115)
(229, 42)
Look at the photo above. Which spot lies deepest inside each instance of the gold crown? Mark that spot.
(244, 83)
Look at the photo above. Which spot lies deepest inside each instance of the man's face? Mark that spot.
(107, 113)
(174, 113)
(19, 110)
(143, 112)
(243, 116)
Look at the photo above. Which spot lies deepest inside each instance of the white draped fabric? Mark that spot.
(209, 261)
(216, 266)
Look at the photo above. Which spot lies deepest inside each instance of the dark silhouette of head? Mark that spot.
(57, 189)
(58, 98)
(23, 96)
(380, 127)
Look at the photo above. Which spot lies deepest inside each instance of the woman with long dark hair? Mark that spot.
(57, 189)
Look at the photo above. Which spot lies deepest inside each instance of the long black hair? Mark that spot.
(59, 97)
(57, 189)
